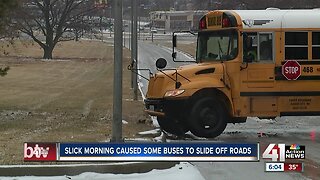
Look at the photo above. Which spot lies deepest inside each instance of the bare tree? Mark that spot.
(48, 22)
(5, 7)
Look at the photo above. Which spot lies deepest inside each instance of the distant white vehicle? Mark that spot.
(154, 30)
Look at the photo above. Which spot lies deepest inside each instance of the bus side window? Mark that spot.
(265, 50)
(265, 46)
(296, 45)
(316, 45)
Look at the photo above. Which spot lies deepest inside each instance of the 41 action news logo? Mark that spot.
(281, 152)
(39, 152)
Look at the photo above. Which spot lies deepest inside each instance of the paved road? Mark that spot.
(287, 130)
(148, 53)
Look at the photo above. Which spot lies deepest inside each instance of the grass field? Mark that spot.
(68, 99)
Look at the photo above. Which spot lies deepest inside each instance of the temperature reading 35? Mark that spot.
(293, 167)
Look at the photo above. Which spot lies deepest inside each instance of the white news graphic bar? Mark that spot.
(274, 167)
(157, 158)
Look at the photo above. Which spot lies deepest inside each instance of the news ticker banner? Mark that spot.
(140, 152)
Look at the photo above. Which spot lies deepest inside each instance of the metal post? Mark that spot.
(139, 26)
(131, 44)
(130, 34)
(151, 36)
(123, 30)
(139, 20)
(134, 51)
(117, 84)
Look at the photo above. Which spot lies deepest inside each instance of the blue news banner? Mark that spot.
(157, 152)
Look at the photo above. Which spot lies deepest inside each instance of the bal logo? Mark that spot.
(281, 152)
(40, 152)
(37, 151)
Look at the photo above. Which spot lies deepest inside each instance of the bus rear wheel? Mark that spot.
(208, 117)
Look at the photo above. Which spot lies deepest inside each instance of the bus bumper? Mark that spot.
(159, 107)
(154, 107)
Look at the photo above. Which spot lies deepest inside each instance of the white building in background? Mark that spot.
(176, 20)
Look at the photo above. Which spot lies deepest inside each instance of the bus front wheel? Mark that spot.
(208, 117)
(170, 125)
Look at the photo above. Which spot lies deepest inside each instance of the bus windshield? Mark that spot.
(217, 45)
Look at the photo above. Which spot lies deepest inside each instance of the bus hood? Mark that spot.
(189, 77)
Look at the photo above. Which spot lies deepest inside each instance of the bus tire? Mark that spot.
(208, 117)
(170, 125)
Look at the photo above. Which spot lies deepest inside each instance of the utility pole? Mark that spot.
(117, 76)
(131, 44)
(134, 49)
(139, 19)
(130, 34)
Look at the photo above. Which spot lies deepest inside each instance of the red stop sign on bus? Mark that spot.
(291, 70)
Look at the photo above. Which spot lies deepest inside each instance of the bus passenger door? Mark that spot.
(258, 78)
(258, 48)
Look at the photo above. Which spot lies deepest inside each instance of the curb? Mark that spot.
(76, 169)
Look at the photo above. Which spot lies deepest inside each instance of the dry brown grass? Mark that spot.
(63, 50)
(68, 101)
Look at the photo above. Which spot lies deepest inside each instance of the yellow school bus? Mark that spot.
(260, 63)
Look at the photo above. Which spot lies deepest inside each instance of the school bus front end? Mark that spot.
(262, 63)
(197, 97)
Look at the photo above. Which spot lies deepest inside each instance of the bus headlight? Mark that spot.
(173, 93)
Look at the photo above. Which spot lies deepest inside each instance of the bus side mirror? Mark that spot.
(174, 41)
(161, 63)
(174, 55)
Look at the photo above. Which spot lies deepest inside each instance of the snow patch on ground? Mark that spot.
(150, 132)
(135, 140)
(155, 121)
(184, 170)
